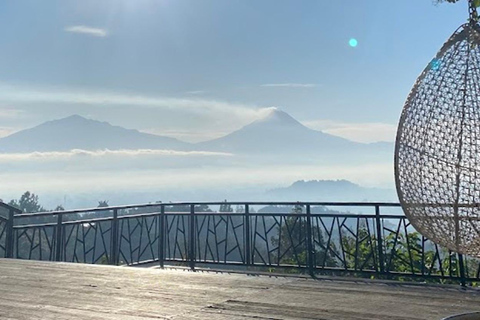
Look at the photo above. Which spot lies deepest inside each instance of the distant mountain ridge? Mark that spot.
(276, 134)
(76, 132)
(326, 190)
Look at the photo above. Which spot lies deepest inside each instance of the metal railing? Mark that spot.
(363, 239)
(6, 229)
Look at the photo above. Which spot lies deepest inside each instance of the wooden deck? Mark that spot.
(48, 290)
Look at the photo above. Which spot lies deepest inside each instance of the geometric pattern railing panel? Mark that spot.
(295, 237)
(177, 237)
(407, 252)
(86, 242)
(279, 240)
(219, 238)
(3, 237)
(138, 239)
(347, 243)
(35, 242)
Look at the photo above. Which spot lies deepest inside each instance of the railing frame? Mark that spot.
(60, 240)
(9, 234)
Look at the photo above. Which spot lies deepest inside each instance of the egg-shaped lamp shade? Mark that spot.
(437, 150)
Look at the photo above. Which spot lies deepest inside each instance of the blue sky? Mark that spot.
(196, 69)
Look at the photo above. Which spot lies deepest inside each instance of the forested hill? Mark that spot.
(326, 190)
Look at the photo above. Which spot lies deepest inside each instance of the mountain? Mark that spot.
(279, 133)
(326, 190)
(76, 132)
(263, 141)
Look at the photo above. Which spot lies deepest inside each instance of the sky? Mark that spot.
(198, 69)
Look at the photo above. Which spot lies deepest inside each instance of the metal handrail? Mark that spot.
(9, 207)
(197, 203)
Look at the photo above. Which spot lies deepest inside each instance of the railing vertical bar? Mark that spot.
(462, 270)
(161, 235)
(58, 238)
(114, 239)
(311, 252)
(191, 240)
(248, 253)
(10, 240)
(378, 221)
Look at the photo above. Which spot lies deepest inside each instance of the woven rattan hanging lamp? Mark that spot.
(437, 150)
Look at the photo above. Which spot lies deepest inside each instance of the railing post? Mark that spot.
(311, 252)
(191, 240)
(248, 253)
(114, 239)
(462, 270)
(10, 240)
(58, 238)
(161, 236)
(381, 258)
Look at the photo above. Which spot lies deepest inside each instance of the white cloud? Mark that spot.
(219, 109)
(186, 135)
(9, 113)
(95, 32)
(290, 85)
(5, 131)
(62, 155)
(195, 92)
(361, 132)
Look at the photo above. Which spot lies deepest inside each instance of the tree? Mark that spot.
(28, 202)
(359, 249)
(291, 240)
(225, 207)
(103, 204)
(475, 2)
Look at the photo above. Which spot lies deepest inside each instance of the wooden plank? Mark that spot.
(49, 290)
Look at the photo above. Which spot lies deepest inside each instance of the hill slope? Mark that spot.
(76, 132)
(278, 132)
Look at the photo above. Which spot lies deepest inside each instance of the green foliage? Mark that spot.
(292, 242)
(103, 204)
(476, 3)
(360, 254)
(451, 1)
(28, 202)
(225, 208)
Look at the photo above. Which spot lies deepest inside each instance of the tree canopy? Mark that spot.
(28, 202)
(475, 2)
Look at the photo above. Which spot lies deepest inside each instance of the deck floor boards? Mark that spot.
(48, 290)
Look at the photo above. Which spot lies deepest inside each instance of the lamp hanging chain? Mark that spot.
(473, 12)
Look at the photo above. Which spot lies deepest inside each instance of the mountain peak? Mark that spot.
(276, 116)
(74, 118)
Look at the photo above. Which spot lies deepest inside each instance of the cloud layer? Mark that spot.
(360, 132)
(94, 32)
(65, 155)
(290, 85)
(109, 99)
